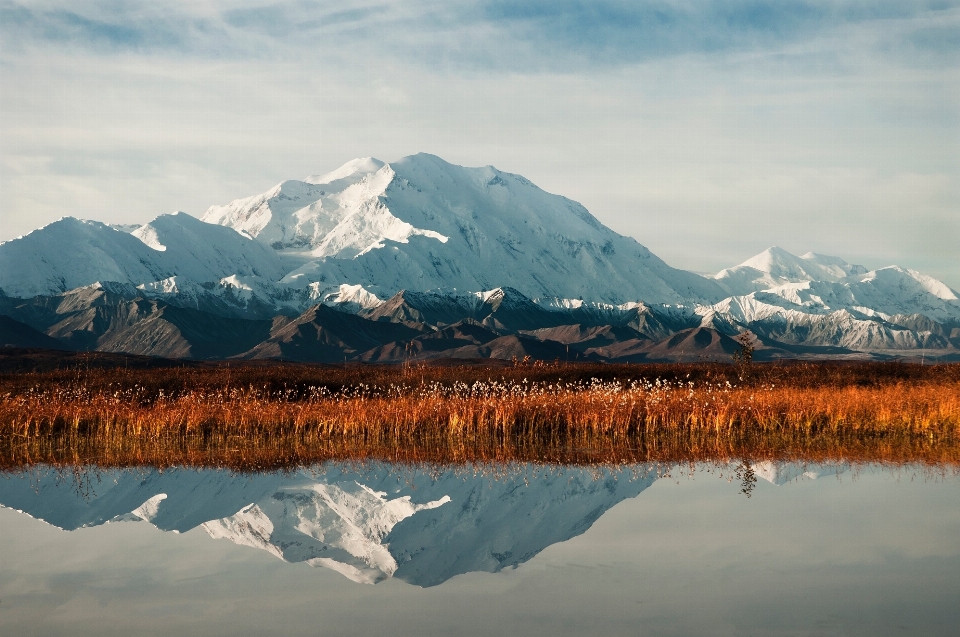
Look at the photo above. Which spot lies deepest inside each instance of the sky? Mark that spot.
(707, 130)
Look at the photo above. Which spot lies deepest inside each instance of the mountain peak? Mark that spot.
(770, 259)
(70, 253)
(358, 166)
(776, 267)
(422, 223)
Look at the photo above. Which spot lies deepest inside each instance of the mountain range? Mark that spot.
(423, 259)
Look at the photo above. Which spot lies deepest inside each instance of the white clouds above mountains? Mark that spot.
(708, 130)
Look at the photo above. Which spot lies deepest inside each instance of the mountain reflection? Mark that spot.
(370, 523)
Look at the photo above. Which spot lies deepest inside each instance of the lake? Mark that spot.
(359, 549)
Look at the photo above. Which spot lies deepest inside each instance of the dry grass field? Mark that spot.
(252, 417)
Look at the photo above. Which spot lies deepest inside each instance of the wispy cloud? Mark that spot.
(107, 28)
(289, 20)
(491, 34)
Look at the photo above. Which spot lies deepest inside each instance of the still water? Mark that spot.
(768, 549)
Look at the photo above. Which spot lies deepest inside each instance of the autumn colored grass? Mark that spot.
(254, 417)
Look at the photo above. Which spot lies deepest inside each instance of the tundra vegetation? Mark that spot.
(269, 416)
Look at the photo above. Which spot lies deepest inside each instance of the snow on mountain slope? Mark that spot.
(832, 266)
(379, 521)
(775, 267)
(815, 324)
(847, 329)
(203, 252)
(885, 292)
(895, 290)
(656, 321)
(417, 224)
(296, 214)
(423, 224)
(71, 253)
(823, 301)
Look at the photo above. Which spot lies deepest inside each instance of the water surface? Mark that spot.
(768, 549)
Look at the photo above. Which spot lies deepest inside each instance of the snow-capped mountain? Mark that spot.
(775, 267)
(370, 524)
(423, 224)
(299, 216)
(421, 241)
(821, 284)
(71, 253)
(357, 235)
(890, 308)
(200, 252)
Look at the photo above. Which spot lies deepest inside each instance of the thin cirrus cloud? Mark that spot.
(102, 30)
(537, 34)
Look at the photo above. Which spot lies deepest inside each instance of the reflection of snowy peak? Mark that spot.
(780, 473)
(340, 526)
(368, 525)
(495, 523)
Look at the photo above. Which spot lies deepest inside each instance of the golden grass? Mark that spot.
(270, 417)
